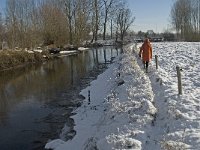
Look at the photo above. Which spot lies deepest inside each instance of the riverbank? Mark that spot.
(12, 58)
(16, 58)
(37, 100)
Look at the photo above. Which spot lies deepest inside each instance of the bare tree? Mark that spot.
(109, 7)
(36, 30)
(124, 20)
(70, 8)
(30, 23)
(95, 20)
(96, 8)
(185, 18)
(184, 9)
(82, 20)
(19, 15)
(53, 24)
(11, 22)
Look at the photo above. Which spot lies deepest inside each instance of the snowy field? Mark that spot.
(145, 112)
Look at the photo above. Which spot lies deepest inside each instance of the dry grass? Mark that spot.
(11, 58)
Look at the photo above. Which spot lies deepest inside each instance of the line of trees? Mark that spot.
(30, 23)
(185, 18)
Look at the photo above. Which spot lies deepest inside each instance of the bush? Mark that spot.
(10, 59)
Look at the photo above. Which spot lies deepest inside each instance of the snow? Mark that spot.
(68, 52)
(131, 109)
(74, 51)
(37, 50)
(82, 48)
(28, 51)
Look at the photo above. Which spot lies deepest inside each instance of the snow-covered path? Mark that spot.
(162, 122)
(176, 125)
(131, 109)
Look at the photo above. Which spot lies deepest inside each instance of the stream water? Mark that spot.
(37, 101)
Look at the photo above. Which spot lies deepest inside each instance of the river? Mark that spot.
(37, 101)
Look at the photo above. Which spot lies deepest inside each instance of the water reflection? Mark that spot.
(24, 92)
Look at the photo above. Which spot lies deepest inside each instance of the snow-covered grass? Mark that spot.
(131, 109)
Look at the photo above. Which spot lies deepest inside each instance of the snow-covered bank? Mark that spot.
(130, 109)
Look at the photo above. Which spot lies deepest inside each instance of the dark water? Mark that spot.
(37, 101)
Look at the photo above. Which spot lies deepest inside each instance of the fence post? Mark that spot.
(156, 58)
(179, 80)
(88, 97)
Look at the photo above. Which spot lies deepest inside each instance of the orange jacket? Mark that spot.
(146, 51)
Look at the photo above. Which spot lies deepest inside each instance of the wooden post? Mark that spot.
(88, 97)
(111, 30)
(179, 80)
(156, 59)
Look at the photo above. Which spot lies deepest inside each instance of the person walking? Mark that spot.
(146, 53)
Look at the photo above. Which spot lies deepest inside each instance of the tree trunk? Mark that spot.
(96, 20)
(104, 27)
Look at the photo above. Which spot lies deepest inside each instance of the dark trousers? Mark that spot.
(146, 65)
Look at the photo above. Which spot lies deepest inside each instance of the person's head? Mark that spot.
(146, 40)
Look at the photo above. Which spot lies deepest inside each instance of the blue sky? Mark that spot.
(2, 5)
(151, 14)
